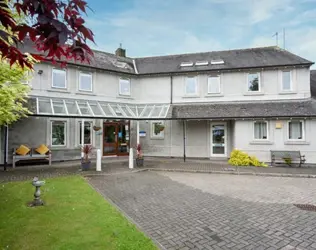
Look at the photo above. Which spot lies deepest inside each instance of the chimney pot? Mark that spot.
(120, 52)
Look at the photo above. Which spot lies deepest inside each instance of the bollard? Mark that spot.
(37, 195)
(98, 160)
(131, 159)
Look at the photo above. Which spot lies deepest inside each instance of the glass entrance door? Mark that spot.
(218, 140)
(116, 138)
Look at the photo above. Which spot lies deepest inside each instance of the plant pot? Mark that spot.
(85, 165)
(139, 162)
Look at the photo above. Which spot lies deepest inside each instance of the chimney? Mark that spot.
(120, 52)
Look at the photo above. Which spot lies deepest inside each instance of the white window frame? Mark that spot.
(303, 130)
(208, 84)
(291, 81)
(259, 82)
(254, 136)
(196, 86)
(65, 133)
(78, 132)
(152, 132)
(130, 86)
(91, 77)
(56, 70)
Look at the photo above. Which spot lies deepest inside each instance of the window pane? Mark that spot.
(157, 129)
(59, 78)
(85, 82)
(190, 85)
(58, 133)
(253, 82)
(286, 80)
(125, 86)
(214, 84)
(87, 132)
(261, 130)
(296, 130)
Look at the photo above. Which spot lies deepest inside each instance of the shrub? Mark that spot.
(240, 158)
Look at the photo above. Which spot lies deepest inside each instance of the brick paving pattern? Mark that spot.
(178, 216)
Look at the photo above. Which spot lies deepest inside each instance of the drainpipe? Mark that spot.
(82, 137)
(171, 89)
(184, 140)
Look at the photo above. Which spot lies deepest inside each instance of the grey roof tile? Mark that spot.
(262, 109)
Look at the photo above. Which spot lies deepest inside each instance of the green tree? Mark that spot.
(13, 92)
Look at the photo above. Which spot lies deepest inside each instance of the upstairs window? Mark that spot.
(191, 85)
(261, 130)
(286, 81)
(253, 82)
(214, 85)
(125, 86)
(85, 82)
(59, 79)
(296, 130)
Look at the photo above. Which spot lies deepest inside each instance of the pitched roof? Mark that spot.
(262, 109)
(233, 59)
(313, 83)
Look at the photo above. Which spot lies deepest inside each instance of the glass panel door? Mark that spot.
(123, 138)
(109, 138)
(218, 140)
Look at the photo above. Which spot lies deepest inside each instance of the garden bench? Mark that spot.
(288, 157)
(32, 155)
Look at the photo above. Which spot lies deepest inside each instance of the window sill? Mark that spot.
(253, 93)
(125, 97)
(58, 147)
(85, 93)
(296, 143)
(190, 96)
(263, 142)
(287, 93)
(58, 90)
(214, 95)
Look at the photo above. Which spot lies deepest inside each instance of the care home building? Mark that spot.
(202, 105)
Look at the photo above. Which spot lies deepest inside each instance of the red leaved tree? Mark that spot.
(56, 28)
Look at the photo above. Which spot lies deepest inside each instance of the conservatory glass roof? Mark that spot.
(97, 109)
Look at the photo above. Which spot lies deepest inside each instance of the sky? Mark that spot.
(162, 27)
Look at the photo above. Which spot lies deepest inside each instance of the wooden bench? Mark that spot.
(32, 155)
(287, 157)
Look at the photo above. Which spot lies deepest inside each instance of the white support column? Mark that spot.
(137, 131)
(82, 136)
(98, 160)
(131, 159)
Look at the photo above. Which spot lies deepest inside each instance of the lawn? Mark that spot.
(75, 217)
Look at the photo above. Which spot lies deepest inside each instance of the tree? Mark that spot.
(12, 93)
(56, 27)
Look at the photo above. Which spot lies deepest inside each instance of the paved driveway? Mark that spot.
(203, 211)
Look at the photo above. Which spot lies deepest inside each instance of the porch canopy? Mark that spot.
(61, 107)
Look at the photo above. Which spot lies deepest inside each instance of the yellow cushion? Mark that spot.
(42, 149)
(22, 150)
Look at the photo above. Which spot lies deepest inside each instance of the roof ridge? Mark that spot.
(206, 52)
(112, 54)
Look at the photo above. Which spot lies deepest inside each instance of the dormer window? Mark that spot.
(217, 61)
(186, 64)
(201, 63)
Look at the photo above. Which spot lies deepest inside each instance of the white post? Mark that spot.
(82, 136)
(131, 159)
(98, 160)
(137, 136)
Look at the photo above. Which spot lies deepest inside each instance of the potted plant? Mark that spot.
(85, 160)
(139, 156)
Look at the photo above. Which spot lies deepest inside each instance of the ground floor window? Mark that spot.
(157, 129)
(58, 133)
(87, 132)
(261, 130)
(296, 130)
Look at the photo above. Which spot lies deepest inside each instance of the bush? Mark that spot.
(239, 158)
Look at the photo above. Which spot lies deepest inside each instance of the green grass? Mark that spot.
(75, 217)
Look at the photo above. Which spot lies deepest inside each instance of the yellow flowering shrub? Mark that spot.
(240, 158)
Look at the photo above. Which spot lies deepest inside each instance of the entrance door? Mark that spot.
(218, 140)
(115, 138)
